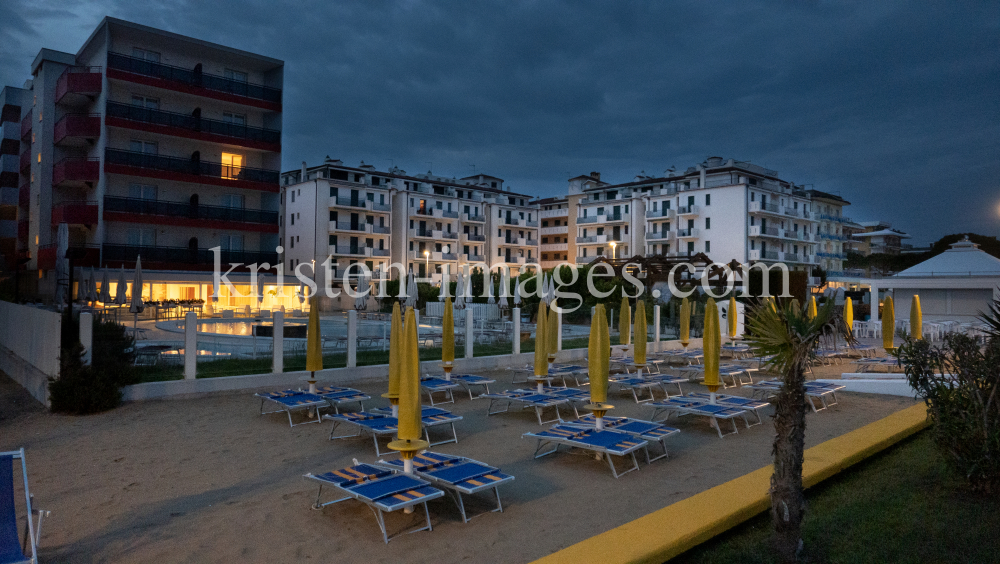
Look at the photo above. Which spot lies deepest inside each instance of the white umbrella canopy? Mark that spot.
(517, 294)
(92, 290)
(84, 287)
(136, 305)
(361, 302)
(411, 290)
(106, 298)
(62, 264)
(460, 292)
(488, 287)
(121, 291)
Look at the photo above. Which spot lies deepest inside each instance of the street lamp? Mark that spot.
(613, 245)
(427, 263)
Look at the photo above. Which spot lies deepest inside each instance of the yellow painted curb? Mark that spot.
(670, 531)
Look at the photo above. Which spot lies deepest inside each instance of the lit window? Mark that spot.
(231, 165)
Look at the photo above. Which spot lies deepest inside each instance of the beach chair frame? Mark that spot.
(32, 527)
(597, 451)
(313, 406)
(435, 385)
(619, 424)
(389, 431)
(553, 401)
(696, 407)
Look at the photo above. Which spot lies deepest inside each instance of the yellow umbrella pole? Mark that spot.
(409, 427)
(314, 343)
(625, 323)
(685, 328)
(448, 339)
(888, 324)
(598, 363)
(395, 359)
(639, 350)
(732, 317)
(541, 341)
(916, 318)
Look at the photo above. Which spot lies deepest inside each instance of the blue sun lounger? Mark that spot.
(750, 404)
(293, 400)
(635, 384)
(604, 444)
(380, 489)
(12, 550)
(456, 475)
(688, 405)
(574, 371)
(821, 391)
(526, 398)
(467, 381)
(735, 372)
(648, 431)
(433, 385)
(379, 425)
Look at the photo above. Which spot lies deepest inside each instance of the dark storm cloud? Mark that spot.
(893, 105)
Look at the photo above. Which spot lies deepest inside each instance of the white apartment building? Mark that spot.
(833, 231)
(425, 222)
(555, 246)
(726, 209)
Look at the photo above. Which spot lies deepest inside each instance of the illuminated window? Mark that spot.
(231, 165)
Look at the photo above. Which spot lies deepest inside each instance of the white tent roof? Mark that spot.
(962, 259)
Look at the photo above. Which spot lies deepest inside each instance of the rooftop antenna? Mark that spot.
(473, 169)
(430, 166)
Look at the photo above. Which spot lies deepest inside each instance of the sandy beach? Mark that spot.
(211, 480)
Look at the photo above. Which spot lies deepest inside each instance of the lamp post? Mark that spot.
(427, 263)
(613, 246)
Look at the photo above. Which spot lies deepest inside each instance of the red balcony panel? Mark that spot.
(47, 257)
(10, 147)
(22, 231)
(24, 195)
(8, 179)
(78, 127)
(26, 124)
(25, 159)
(76, 170)
(10, 113)
(80, 82)
(78, 213)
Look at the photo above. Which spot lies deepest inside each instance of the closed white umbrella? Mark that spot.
(62, 265)
(411, 290)
(460, 292)
(517, 294)
(361, 302)
(488, 287)
(121, 292)
(136, 306)
(106, 298)
(92, 290)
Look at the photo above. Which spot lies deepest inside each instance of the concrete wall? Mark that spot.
(29, 347)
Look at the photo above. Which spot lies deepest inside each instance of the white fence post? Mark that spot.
(352, 338)
(559, 332)
(278, 343)
(517, 330)
(87, 336)
(656, 324)
(190, 345)
(469, 334)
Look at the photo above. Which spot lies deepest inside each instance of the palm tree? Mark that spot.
(790, 336)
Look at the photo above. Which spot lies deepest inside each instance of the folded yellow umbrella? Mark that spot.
(625, 323)
(888, 324)
(685, 328)
(796, 306)
(849, 315)
(409, 383)
(812, 312)
(552, 346)
(712, 345)
(639, 353)
(596, 352)
(314, 340)
(395, 355)
(448, 334)
(916, 318)
(541, 340)
(731, 318)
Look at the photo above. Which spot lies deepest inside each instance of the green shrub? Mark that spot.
(960, 381)
(84, 389)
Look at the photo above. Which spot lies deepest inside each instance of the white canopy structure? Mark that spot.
(954, 285)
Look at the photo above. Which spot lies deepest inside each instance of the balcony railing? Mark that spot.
(24, 195)
(352, 202)
(24, 161)
(185, 209)
(658, 235)
(86, 126)
(75, 213)
(664, 213)
(688, 210)
(91, 256)
(687, 233)
(184, 255)
(470, 237)
(189, 166)
(191, 77)
(192, 123)
(590, 219)
(476, 218)
(76, 169)
(511, 221)
(531, 223)
(26, 124)
(87, 81)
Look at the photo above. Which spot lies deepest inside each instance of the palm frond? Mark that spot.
(991, 318)
(788, 335)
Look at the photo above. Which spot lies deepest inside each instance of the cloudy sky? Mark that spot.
(893, 105)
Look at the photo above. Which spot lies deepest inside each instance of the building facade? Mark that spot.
(555, 246)
(150, 144)
(833, 231)
(879, 237)
(359, 215)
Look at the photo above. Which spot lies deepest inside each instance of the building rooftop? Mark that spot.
(881, 232)
(963, 258)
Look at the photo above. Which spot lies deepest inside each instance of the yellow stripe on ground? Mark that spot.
(670, 531)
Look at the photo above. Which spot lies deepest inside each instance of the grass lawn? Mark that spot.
(903, 505)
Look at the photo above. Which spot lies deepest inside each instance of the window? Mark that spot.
(233, 200)
(236, 75)
(142, 191)
(142, 237)
(231, 165)
(145, 102)
(293, 196)
(232, 243)
(139, 146)
(235, 119)
(708, 223)
(708, 199)
(292, 222)
(708, 246)
(146, 54)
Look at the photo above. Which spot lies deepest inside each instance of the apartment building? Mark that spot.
(148, 143)
(833, 231)
(555, 246)
(726, 209)
(12, 99)
(879, 237)
(424, 221)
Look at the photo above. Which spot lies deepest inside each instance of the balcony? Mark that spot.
(181, 258)
(690, 233)
(758, 208)
(26, 124)
(473, 218)
(560, 212)
(839, 256)
(531, 223)
(75, 213)
(150, 165)
(76, 171)
(583, 220)
(47, 256)
(25, 160)
(586, 260)
(192, 81)
(758, 231)
(547, 247)
(614, 218)
(531, 242)
(659, 235)
(664, 213)
(24, 195)
(353, 250)
(511, 221)
(79, 85)
(475, 258)
(688, 210)
(135, 210)
(471, 237)
(22, 232)
(77, 130)
(836, 218)
(359, 227)
(191, 127)
(436, 256)
(359, 203)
